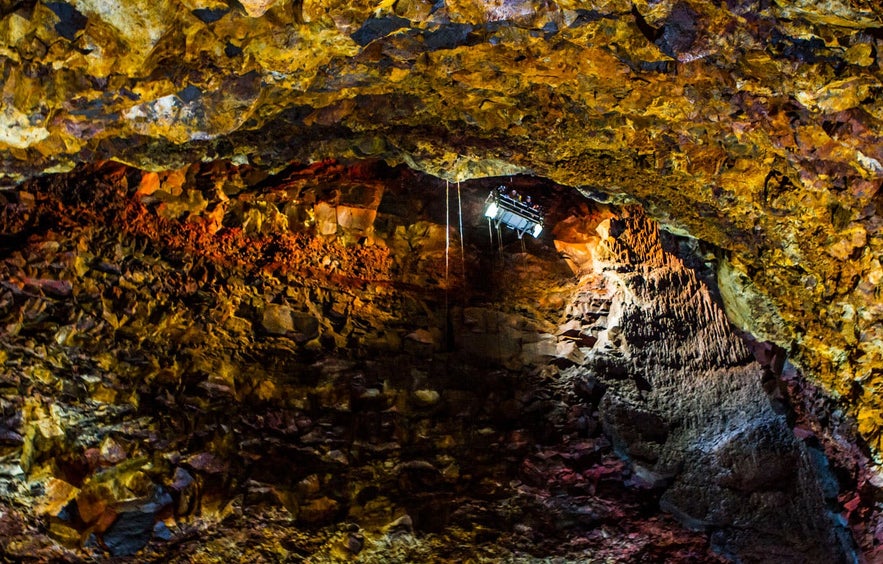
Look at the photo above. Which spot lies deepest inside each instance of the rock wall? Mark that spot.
(686, 406)
(220, 363)
(214, 363)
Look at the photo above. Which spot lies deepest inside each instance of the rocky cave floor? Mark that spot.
(216, 364)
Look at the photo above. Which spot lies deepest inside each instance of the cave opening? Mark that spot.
(279, 359)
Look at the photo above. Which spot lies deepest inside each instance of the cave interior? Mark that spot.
(411, 281)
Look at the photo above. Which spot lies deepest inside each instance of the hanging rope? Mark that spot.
(447, 230)
(462, 244)
(447, 257)
(490, 233)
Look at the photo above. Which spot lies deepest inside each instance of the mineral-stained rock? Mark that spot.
(257, 8)
(318, 510)
(57, 495)
(211, 388)
(277, 319)
(754, 126)
(426, 397)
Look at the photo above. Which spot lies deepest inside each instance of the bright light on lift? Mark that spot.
(509, 209)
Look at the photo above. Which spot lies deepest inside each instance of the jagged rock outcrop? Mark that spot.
(685, 404)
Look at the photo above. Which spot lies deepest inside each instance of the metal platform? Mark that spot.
(514, 214)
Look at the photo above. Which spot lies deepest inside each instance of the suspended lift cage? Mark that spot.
(517, 215)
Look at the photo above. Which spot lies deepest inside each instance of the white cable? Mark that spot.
(462, 245)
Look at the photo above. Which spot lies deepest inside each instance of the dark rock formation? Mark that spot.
(216, 362)
(685, 404)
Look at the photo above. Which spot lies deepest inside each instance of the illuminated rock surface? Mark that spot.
(194, 371)
(753, 126)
